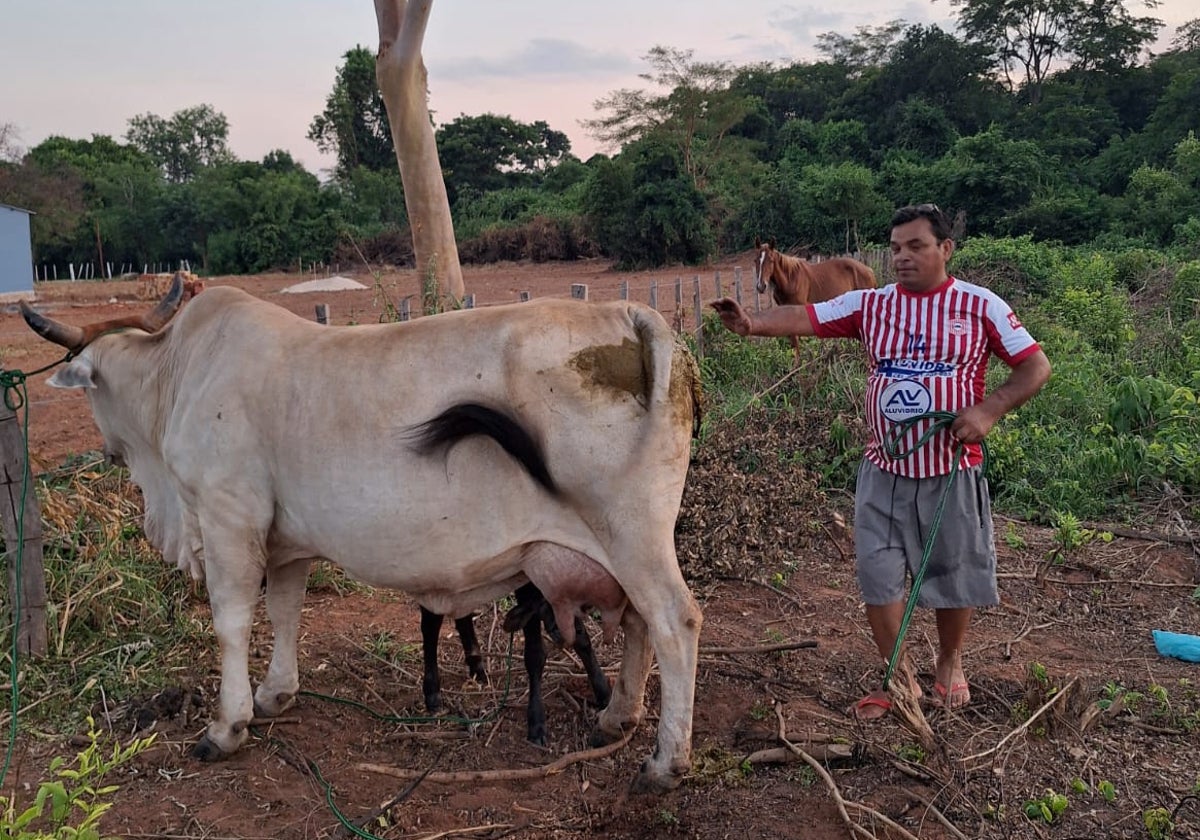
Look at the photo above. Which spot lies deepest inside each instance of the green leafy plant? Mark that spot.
(1013, 538)
(1048, 807)
(1107, 790)
(1158, 822)
(69, 805)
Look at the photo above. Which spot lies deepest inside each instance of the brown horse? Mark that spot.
(796, 281)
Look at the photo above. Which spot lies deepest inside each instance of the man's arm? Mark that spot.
(778, 321)
(1026, 379)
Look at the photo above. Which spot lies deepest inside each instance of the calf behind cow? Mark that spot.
(455, 457)
(530, 615)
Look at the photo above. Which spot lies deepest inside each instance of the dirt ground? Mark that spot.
(770, 558)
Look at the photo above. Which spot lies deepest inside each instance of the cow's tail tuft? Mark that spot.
(468, 419)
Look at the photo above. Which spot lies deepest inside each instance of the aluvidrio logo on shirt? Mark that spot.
(904, 399)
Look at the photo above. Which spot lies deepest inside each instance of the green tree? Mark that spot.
(354, 125)
(991, 176)
(1037, 35)
(645, 210)
(841, 195)
(491, 152)
(183, 144)
(694, 113)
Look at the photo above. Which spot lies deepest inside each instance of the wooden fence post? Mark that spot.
(699, 317)
(654, 294)
(523, 297)
(579, 291)
(322, 313)
(29, 623)
(737, 284)
(717, 283)
(623, 290)
(404, 310)
(469, 302)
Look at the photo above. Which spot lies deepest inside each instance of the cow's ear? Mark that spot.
(77, 373)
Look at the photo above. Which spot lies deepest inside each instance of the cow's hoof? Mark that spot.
(279, 704)
(602, 737)
(538, 739)
(654, 784)
(207, 750)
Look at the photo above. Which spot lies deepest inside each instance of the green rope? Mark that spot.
(892, 446)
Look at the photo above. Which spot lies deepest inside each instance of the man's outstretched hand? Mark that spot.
(733, 317)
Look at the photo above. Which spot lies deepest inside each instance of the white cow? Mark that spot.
(453, 457)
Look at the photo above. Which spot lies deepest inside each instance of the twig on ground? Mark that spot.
(939, 816)
(796, 601)
(1040, 711)
(501, 775)
(712, 651)
(841, 803)
(475, 829)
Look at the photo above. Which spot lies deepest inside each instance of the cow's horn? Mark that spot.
(64, 335)
(76, 338)
(157, 318)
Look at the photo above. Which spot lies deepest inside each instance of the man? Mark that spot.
(928, 338)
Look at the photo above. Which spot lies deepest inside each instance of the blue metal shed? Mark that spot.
(16, 254)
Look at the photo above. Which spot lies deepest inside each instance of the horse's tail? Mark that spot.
(864, 277)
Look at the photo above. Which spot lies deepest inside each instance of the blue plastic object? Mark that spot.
(1177, 645)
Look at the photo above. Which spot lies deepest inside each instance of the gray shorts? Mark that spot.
(892, 515)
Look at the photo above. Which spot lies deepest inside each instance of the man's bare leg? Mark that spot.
(951, 686)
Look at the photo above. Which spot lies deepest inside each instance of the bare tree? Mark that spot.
(10, 144)
(404, 85)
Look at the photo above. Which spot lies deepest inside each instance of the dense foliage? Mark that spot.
(1040, 119)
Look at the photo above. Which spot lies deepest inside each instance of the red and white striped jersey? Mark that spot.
(927, 352)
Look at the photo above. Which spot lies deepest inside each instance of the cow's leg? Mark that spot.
(674, 631)
(285, 599)
(234, 576)
(431, 686)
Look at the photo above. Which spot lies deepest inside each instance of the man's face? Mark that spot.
(917, 257)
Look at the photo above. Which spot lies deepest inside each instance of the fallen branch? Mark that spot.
(796, 601)
(841, 803)
(500, 775)
(1041, 711)
(713, 651)
(782, 755)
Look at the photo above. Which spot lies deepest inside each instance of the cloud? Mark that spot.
(802, 24)
(540, 58)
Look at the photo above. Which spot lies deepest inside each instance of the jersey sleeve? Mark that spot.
(1007, 336)
(838, 318)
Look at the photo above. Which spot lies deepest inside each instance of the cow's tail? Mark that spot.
(672, 375)
(468, 419)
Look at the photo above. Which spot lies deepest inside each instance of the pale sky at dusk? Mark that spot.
(77, 68)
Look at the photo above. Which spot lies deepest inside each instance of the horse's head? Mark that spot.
(766, 258)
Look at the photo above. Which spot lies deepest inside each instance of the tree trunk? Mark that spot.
(403, 84)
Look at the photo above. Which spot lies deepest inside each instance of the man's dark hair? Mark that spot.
(938, 221)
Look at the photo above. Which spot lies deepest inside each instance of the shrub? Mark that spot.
(1013, 268)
